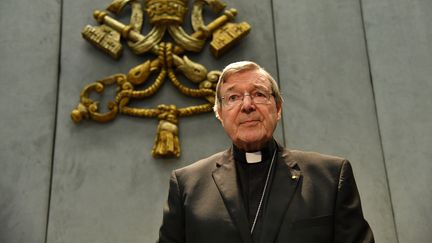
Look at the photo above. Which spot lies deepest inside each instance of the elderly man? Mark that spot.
(258, 191)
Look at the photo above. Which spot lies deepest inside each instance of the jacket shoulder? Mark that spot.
(313, 163)
(314, 158)
(203, 167)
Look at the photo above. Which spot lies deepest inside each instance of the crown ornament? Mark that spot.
(161, 12)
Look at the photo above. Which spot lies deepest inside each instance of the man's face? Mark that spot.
(249, 125)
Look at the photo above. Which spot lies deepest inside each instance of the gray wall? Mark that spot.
(356, 81)
(29, 51)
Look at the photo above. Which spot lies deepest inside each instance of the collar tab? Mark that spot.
(254, 157)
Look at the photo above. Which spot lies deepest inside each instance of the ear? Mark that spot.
(219, 116)
(279, 111)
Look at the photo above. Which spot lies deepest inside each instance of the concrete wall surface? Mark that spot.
(399, 38)
(324, 74)
(355, 76)
(28, 77)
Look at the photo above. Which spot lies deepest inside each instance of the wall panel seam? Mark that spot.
(377, 116)
(55, 118)
(282, 122)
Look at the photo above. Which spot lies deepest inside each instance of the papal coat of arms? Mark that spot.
(165, 18)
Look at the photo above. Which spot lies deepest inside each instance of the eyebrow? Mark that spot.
(256, 86)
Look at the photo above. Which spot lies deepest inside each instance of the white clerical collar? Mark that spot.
(254, 157)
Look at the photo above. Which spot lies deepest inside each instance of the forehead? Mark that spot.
(246, 80)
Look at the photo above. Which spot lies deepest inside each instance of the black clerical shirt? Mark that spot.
(251, 178)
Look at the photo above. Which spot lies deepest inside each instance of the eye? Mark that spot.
(259, 94)
(233, 97)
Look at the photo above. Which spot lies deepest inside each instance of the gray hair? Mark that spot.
(238, 67)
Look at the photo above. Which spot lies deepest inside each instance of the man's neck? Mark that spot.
(263, 154)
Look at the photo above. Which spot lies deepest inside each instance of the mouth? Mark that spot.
(249, 122)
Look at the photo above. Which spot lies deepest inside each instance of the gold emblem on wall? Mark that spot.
(165, 17)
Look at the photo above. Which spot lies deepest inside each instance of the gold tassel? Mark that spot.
(167, 141)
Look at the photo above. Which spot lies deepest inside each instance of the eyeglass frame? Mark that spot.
(252, 95)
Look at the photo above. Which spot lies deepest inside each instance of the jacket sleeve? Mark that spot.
(172, 228)
(350, 225)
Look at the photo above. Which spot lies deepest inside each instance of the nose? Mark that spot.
(247, 105)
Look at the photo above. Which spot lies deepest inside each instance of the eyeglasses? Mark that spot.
(235, 99)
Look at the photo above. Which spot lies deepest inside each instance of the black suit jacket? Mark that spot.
(313, 198)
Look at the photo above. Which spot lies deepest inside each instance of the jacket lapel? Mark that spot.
(283, 187)
(226, 181)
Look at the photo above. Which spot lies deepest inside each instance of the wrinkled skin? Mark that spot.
(250, 126)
